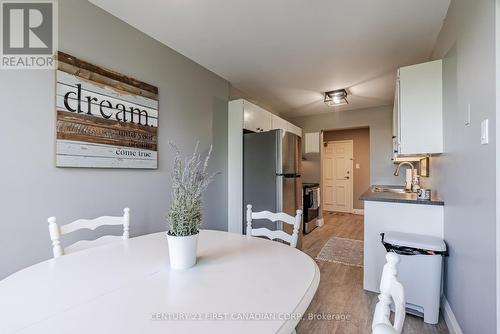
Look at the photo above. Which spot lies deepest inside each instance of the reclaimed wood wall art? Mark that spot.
(104, 119)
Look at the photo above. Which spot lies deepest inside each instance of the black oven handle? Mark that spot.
(289, 175)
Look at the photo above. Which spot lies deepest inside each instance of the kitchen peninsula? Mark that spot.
(389, 208)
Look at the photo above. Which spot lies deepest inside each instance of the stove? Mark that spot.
(311, 205)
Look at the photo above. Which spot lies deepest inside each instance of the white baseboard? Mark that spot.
(358, 212)
(319, 222)
(449, 317)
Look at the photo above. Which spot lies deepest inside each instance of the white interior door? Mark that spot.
(338, 176)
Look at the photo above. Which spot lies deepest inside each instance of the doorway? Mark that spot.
(338, 176)
(345, 169)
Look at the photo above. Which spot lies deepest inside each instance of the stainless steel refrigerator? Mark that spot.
(271, 176)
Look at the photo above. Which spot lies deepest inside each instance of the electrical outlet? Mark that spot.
(484, 132)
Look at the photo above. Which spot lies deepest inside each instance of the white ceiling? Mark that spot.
(285, 53)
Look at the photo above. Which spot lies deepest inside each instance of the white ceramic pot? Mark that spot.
(182, 251)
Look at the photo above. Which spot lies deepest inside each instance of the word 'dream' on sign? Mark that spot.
(104, 119)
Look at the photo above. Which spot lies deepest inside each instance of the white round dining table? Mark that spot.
(239, 284)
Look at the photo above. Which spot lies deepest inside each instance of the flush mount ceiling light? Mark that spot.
(336, 97)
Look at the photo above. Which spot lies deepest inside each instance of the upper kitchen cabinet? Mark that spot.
(255, 118)
(294, 129)
(280, 123)
(418, 109)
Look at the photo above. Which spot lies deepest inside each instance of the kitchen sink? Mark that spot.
(390, 190)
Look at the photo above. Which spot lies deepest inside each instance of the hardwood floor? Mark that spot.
(340, 295)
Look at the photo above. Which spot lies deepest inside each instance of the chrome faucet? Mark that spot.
(414, 185)
(396, 173)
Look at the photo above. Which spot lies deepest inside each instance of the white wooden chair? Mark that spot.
(57, 231)
(280, 216)
(391, 290)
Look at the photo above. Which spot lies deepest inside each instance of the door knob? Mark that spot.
(347, 177)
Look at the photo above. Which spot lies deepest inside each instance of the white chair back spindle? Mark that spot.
(391, 290)
(273, 235)
(57, 231)
(55, 234)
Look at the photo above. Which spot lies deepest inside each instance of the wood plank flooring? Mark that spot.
(340, 295)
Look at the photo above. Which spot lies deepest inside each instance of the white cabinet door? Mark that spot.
(255, 118)
(311, 142)
(396, 138)
(279, 123)
(294, 129)
(420, 106)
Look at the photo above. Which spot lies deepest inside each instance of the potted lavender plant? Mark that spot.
(190, 179)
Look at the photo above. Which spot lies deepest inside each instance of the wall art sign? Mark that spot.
(104, 119)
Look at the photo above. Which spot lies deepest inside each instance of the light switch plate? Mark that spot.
(467, 120)
(484, 132)
(357, 166)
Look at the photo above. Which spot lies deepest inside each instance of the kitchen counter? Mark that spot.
(393, 197)
(390, 211)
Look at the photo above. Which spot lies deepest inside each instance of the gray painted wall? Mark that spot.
(193, 106)
(379, 120)
(465, 173)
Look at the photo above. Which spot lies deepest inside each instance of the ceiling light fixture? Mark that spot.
(336, 97)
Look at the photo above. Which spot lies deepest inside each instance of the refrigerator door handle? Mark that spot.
(289, 175)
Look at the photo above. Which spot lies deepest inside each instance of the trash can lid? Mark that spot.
(412, 240)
